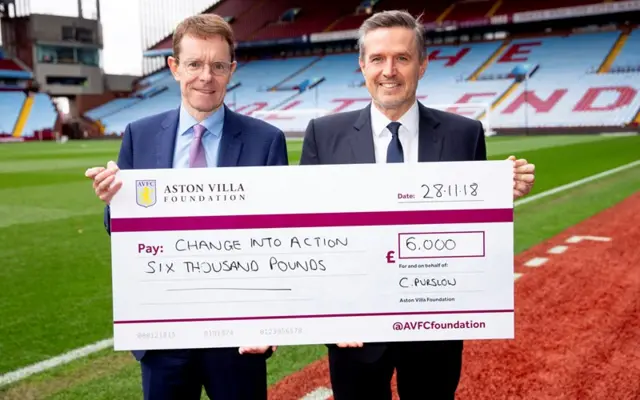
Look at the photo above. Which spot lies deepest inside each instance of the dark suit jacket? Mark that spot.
(347, 138)
(149, 143)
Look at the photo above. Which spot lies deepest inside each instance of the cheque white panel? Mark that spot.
(331, 261)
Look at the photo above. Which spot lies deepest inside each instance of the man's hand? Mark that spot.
(350, 344)
(256, 350)
(523, 177)
(104, 181)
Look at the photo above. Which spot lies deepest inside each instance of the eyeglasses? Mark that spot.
(217, 67)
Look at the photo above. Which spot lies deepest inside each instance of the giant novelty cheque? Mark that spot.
(291, 255)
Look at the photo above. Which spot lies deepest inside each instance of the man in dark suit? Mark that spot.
(395, 127)
(201, 133)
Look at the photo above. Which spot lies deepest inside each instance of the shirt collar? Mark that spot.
(409, 120)
(212, 123)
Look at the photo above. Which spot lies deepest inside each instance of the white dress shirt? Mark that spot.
(408, 134)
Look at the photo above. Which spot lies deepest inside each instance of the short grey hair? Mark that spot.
(393, 19)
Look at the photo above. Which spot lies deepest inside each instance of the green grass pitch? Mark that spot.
(55, 273)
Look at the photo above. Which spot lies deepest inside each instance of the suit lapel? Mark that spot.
(361, 138)
(430, 141)
(165, 145)
(231, 141)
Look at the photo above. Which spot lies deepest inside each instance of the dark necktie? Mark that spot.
(394, 151)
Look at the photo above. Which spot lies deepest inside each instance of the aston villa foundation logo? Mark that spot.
(146, 193)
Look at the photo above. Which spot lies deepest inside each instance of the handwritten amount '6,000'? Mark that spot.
(429, 244)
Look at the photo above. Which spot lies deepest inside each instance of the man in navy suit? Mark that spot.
(395, 127)
(202, 132)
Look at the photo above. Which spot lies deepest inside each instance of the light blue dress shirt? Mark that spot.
(210, 138)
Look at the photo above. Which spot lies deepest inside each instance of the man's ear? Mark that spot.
(423, 66)
(173, 66)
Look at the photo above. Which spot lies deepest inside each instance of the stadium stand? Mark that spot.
(10, 69)
(22, 115)
(263, 20)
(554, 56)
(313, 17)
(41, 117)
(566, 66)
(111, 107)
(573, 79)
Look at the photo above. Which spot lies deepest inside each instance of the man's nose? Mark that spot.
(389, 68)
(206, 74)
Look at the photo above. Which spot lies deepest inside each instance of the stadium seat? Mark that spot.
(582, 101)
(470, 9)
(628, 59)
(9, 65)
(313, 17)
(566, 55)
(155, 78)
(457, 62)
(10, 107)
(10, 69)
(515, 6)
(42, 116)
(110, 107)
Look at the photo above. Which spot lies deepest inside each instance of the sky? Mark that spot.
(122, 52)
(121, 24)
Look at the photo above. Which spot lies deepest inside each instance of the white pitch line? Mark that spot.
(558, 249)
(576, 183)
(36, 368)
(536, 262)
(578, 239)
(321, 393)
(14, 376)
(616, 134)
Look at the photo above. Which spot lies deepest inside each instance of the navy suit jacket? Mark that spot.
(149, 143)
(347, 138)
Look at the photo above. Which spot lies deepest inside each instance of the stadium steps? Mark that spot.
(494, 8)
(334, 23)
(502, 98)
(24, 116)
(22, 65)
(296, 73)
(294, 99)
(445, 13)
(284, 102)
(615, 50)
(490, 60)
(117, 110)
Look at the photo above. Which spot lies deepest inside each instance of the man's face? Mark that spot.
(203, 68)
(391, 67)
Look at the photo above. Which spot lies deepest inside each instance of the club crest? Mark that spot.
(146, 193)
